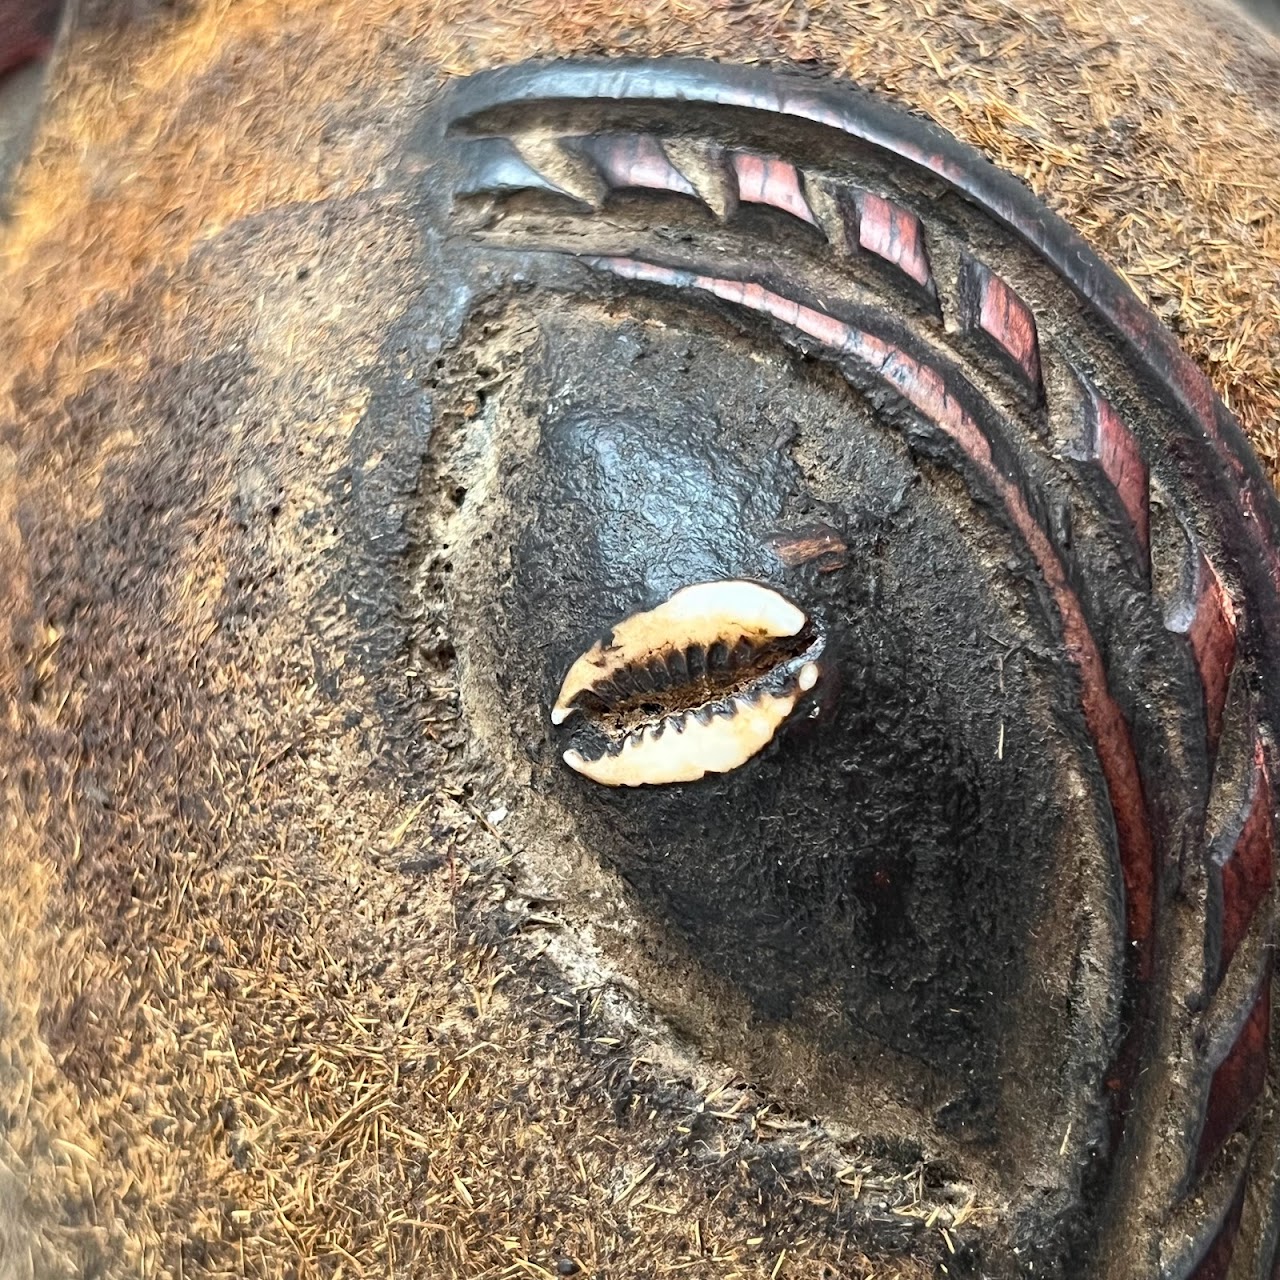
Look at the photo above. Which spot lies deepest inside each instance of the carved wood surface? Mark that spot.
(873, 244)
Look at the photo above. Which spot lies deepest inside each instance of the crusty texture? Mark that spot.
(259, 1012)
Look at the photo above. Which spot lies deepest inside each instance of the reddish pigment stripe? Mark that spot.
(1006, 320)
(636, 160)
(893, 233)
(1246, 875)
(1217, 1259)
(1211, 631)
(773, 182)
(1238, 1082)
(925, 388)
(1213, 640)
(1117, 453)
(1056, 243)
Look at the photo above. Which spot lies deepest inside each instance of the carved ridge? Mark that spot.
(1106, 442)
(1207, 617)
(636, 161)
(995, 315)
(1243, 874)
(1237, 1081)
(990, 308)
(894, 234)
(769, 181)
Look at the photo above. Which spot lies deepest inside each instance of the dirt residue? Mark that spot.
(270, 1001)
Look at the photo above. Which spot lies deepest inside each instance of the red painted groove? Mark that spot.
(991, 306)
(998, 195)
(894, 234)
(1214, 1264)
(637, 160)
(1238, 1081)
(925, 388)
(1245, 877)
(1210, 626)
(1115, 449)
(764, 180)
(1063, 249)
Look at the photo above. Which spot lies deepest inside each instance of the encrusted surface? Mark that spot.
(254, 975)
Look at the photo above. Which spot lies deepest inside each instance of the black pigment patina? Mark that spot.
(1000, 878)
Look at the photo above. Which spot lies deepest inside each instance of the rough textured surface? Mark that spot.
(274, 995)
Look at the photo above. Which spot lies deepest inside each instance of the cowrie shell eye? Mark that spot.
(697, 685)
